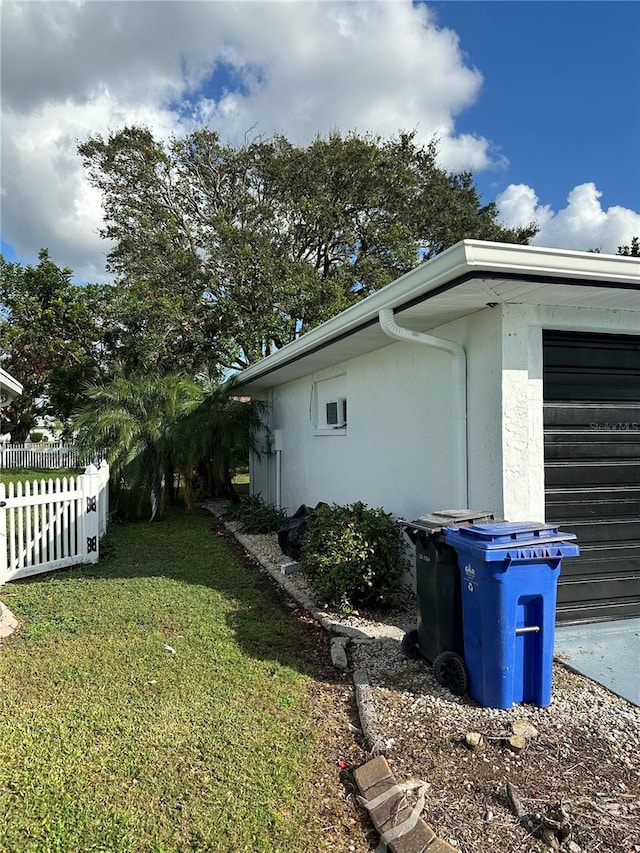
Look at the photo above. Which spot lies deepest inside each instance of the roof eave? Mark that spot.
(8, 385)
(467, 256)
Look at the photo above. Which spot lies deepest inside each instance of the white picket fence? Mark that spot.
(48, 456)
(52, 524)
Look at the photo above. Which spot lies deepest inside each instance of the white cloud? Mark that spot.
(74, 69)
(583, 224)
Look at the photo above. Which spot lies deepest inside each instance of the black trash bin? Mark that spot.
(439, 636)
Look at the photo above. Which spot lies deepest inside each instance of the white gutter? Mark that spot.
(465, 257)
(9, 388)
(459, 391)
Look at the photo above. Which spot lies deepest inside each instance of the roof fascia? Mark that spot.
(466, 259)
(9, 384)
(522, 261)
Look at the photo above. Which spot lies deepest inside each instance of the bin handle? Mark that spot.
(552, 562)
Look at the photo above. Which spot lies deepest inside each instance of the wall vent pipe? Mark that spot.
(459, 389)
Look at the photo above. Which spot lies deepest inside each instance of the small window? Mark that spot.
(328, 404)
(336, 412)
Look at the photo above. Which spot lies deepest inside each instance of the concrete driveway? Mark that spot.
(606, 652)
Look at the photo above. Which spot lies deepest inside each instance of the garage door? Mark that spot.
(592, 469)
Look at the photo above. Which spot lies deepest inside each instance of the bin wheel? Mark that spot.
(449, 671)
(409, 645)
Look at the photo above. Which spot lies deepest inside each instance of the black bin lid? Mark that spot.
(435, 521)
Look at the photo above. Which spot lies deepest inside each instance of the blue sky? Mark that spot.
(561, 93)
(541, 100)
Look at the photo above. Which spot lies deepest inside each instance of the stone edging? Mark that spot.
(374, 776)
(342, 635)
(8, 622)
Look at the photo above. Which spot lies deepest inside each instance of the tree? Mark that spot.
(216, 434)
(252, 246)
(49, 339)
(160, 308)
(130, 419)
(631, 251)
(151, 426)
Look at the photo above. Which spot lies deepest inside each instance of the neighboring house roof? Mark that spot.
(9, 388)
(466, 278)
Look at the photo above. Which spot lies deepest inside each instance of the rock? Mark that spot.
(473, 740)
(339, 652)
(8, 622)
(524, 729)
(516, 743)
(572, 847)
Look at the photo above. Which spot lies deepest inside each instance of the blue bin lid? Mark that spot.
(505, 534)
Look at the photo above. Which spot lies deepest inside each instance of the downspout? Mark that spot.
(459, 387)
(277, 449)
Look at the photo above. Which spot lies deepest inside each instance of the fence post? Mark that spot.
(103, 497)
(90, 488)
(4, 545)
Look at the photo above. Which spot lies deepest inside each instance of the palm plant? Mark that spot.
(150, 425)
(131, 420)
(217, 432)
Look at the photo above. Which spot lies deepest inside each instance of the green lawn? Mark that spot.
(15, 475)
(111, 741)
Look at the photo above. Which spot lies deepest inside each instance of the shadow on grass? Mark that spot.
(193, 549)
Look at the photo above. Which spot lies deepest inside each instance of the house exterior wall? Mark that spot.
(397, 449)
(522, 394)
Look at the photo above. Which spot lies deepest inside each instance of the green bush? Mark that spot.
(255, 515)
(353, 555)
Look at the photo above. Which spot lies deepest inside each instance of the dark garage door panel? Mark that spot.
(577, 602)
(592, 469)
(588, 473)
(589, 504)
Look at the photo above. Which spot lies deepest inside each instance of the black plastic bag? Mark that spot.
(291, 532)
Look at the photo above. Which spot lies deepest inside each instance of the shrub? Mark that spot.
(353, 555)
(255, 515)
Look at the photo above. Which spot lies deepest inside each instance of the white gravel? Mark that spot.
(587, 751)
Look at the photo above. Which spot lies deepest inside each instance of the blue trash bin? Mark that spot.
(509, 574)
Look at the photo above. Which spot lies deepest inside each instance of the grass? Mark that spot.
(241, 484)
(15, 475)
(112, 741)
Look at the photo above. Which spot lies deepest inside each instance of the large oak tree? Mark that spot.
(224, 253)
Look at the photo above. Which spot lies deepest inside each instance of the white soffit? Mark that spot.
(8, 385)
(569, 296)
(441, 291)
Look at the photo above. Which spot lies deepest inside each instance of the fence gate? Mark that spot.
(52, 524)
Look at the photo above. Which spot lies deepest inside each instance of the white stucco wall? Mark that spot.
(522, 394)
(397, 449)
(398, 446)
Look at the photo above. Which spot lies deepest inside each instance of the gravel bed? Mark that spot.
(583, 752)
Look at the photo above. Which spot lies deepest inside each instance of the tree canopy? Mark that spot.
(221, 254)
(632, 251)
(49, 339)
(236, 251)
